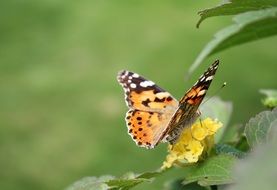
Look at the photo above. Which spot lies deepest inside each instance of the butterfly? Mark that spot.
(154, 115)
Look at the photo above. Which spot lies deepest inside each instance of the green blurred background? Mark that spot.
(62, 111)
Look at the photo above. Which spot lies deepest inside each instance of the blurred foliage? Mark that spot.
(248, 27)
(213, 171)
(125, 182)
(260, 129)
(62, 111)
(229, 150)
(177, 185)
(232, 7)
(262, 160)
(271, 97)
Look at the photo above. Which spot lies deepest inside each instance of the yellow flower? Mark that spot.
(193, 142)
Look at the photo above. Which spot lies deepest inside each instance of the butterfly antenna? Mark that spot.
(222, 86)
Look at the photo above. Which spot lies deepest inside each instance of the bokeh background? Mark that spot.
(61, 109)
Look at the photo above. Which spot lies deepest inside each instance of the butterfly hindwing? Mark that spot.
(145, 128)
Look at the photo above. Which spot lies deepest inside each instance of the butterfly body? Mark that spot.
(154, 114)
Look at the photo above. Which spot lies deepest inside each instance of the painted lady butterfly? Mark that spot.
(155, 115)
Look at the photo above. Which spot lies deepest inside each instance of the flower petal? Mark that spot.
(192, 143)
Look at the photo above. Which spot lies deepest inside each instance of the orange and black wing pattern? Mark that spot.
(150, 108)
(187, 111)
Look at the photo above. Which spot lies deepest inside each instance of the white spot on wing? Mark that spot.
(202, 92)
(135, 75)
(146, 83)
(162, 95)
(209, 78)
(133, 85)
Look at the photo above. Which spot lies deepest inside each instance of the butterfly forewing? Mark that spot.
(196, 94)
(144, 94)
(187, 111)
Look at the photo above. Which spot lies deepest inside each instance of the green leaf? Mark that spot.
(149, 175)
(218, 109)
(230, 150)
(258, 170)
(91, 183)
(125, 182)
(248, 27)
(273, 132)
(131, 180)
(177, 185)
(232, 134)
(242, 144)
(213, 171)
(234, 7)
(261, 128)
(271, 97)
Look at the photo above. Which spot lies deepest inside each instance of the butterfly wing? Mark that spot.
(150, 108)
(143, 94)
(196, 94)
(187, 111)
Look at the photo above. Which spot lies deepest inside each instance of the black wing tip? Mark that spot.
(124, 72)
(216, 62)
(213, 66)
(120, 75)
(121, 72)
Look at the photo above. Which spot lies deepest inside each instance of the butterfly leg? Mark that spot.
(200, 120)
